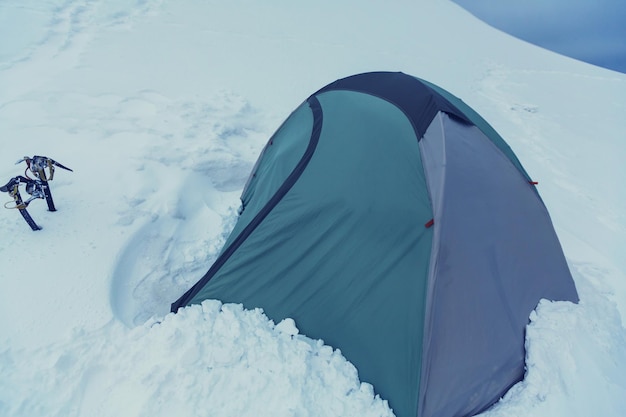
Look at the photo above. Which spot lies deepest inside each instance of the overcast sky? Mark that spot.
(589, 30)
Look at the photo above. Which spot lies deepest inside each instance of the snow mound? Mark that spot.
(212, 360)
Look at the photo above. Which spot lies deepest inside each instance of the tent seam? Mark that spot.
(316, 108)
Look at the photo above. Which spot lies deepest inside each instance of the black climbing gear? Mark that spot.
(37, 187)
(37, 165)
(13, 188)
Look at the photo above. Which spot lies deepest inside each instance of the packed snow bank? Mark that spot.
(571, 351)
(209, 360)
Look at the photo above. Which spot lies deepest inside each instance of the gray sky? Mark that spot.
(589, 30)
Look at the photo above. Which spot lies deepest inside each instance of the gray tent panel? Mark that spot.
(495, 254)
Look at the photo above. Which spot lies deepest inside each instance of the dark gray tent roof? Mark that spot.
(415, 98)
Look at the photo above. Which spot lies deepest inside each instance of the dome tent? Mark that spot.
(387, 218)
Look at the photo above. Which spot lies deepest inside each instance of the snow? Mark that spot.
(161, 109)
(209, 360)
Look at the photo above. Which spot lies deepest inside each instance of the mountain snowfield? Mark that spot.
(161, 107)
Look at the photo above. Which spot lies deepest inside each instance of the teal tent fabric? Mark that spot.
(386, 218)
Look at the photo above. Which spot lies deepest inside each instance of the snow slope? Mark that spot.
(161, 108)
